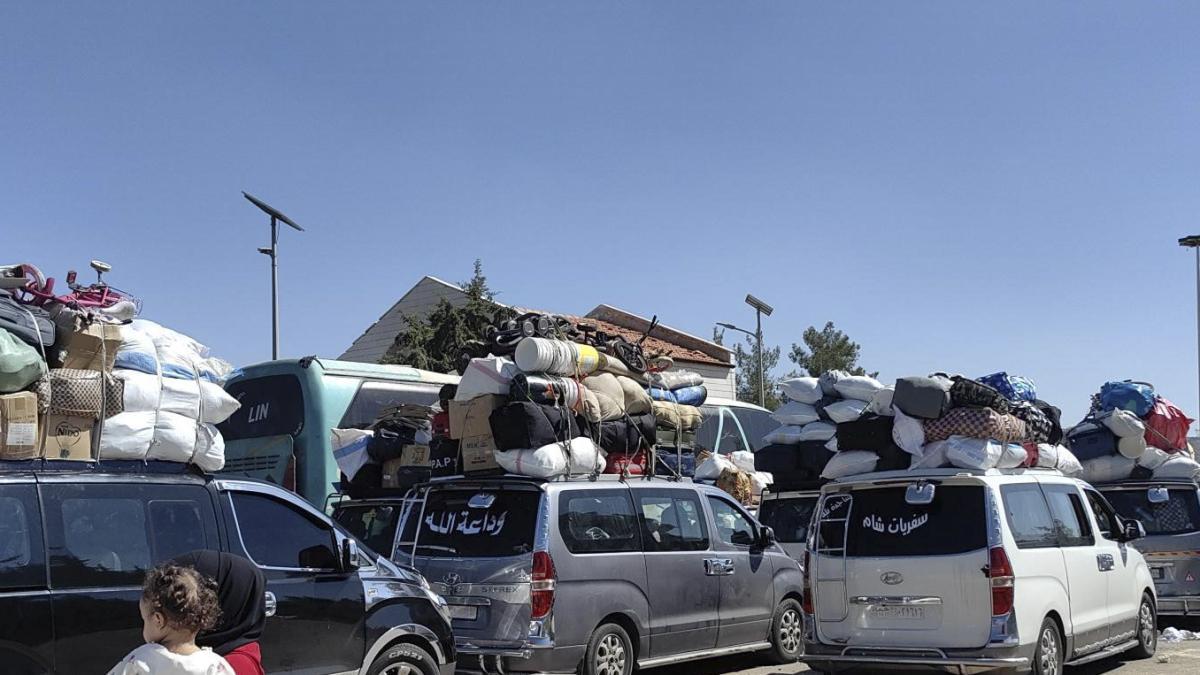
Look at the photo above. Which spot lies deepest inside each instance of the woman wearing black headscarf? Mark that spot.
(241, 591)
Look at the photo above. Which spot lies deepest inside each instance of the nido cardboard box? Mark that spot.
(19, 426)
(67, 437)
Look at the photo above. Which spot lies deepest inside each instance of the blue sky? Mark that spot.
(960, 186)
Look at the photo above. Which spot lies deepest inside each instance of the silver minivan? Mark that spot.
(1170, 512)
(789, 515)
(593, 575)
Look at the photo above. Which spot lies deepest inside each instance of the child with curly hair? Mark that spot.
(177, 603)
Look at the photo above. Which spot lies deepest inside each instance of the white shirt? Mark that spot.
(155, 659)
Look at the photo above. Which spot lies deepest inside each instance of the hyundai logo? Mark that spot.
(891, 578)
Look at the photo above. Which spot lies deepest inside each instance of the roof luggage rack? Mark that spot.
(94, 466)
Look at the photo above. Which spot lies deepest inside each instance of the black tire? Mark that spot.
(1048, 651)
(1147, 629)
(404, 659)
(609, 652)
(787, 633)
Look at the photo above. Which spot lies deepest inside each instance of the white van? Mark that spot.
(971, 571)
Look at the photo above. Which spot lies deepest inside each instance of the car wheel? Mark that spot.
(609, 652)
(1048, 654)
(1147, 629)
(404, 659)
(787, 633)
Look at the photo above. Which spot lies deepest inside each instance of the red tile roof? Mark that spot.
(653, 346)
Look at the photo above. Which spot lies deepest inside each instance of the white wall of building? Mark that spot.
(419, 301)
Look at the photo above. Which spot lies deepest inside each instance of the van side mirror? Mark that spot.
(351, 558)
(1133, 529)
(766, 537)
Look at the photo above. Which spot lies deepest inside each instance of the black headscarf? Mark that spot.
(241, 591)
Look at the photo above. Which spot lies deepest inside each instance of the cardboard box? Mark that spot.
(415, 455)
(91, 347)
(19, 426)
(478, 454)
(470, 418)
(67, 437)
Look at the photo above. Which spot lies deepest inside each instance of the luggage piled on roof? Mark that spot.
(81, 379)
(1132, 432)
(841, 425)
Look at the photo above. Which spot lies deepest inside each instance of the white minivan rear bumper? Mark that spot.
(835, 659)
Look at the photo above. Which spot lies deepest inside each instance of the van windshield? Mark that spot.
(374, 396)
(789, 518)
(372, 524)
(882, 524)
(1180, 514)
(475, 523)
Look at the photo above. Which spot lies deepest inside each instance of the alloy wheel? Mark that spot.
(1149, 633)
(791, 630)
(1048, 656)
(610, 656)
(399, 669)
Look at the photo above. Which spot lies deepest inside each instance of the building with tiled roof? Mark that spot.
(712, 361)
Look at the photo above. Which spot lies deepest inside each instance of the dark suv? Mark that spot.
(75, 543)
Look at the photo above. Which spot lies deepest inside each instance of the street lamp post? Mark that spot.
(760, 308)
(273, 254)
(1193, 242)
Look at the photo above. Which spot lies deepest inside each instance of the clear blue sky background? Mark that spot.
(960, 186)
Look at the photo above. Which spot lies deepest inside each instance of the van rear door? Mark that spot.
(475, 546)
(892, 574)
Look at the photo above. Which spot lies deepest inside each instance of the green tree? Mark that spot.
(747, 370)
(434, 342)
(827, 349)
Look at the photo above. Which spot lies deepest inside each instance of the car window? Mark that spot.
(1069, 516)
(1029, 516)
(22, 560)
(756, 424)
(598, 521)
(882, 524)
(1105, 520)
(672, 521)
(473, 523)
(110, 534)
(733, 527)
(372, 524)
(1180, 514)
(278, 534)
(373, 397)
(789, 518)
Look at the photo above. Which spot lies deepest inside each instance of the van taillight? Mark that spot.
(806, 601)
(542, 588)
(1000, 572)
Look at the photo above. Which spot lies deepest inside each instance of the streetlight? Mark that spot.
(760, 308)
(1193, 242)
(273, 254)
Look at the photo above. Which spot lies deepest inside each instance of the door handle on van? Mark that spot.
(1105, 562)
(269, 603)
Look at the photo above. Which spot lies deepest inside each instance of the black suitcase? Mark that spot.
(30, 325)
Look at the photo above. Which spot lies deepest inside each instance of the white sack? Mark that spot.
(832, 445)
(141, 390)
(175, 438)
(350, 449)
(802, 389)
(1153, 458)
(1132, 447)
(1012, 455)
(743, 459)
(1058, 457)
(488, 375)
(127, 435)
(845, 411)
(850, 463)
(858, 387)
(210, 449)
(933, 456)
(818, 431)
(881, 402)
(711, 468)
(909, 434)
(1107, 468)
(1125, 424)
(1179, 466)
(198, 399)
(973, 453)
(785, 435)
(551, 460)
(796, 413)
(760, 480)
(829, 380)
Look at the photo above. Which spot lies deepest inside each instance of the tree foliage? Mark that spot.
(746, 356)
(827, 349)
(433, 342)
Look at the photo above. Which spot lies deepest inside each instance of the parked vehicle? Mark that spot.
(75, 544)
(281, 432)
(974, 570)
(789, 515)
(731, 425)
(1170, 512)
(592, 576)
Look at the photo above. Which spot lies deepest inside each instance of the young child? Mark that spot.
(177, 603)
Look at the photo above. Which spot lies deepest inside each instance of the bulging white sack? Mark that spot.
(1153, 458)
(881, 402)
(909, 434)
(832, 445)
(198, 399)
(973, 453)
(784, 435)
(210, 449)
(1058, 457)
(845, 411)
(552, 460)
(1107, 468)
(850, 463)
(817, 431)
(796, 413)
(127, 435)
(713, 467)
(487, 375)
(1125, 424)
(858, 387)
(744, 460)
(760, 480)
(1132, 447)
(802, 389)
(933, 456)
(1179, 466)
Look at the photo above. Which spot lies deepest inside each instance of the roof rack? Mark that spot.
(917, 474)
(42, 465)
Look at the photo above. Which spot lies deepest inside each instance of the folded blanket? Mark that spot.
(676, 416)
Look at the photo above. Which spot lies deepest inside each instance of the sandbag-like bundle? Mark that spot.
(81, 393)
(817, 431)
(881, 402)
(858, 387)
(488, 375)
(845, 411)
(850, 463)
(674, 379)
(802, 389)
(909, 434)
(678, 417)
(795, 413)
(1107, 468)
(578, 456)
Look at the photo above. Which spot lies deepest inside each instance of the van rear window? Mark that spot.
(1180, 514)
(882, 524)
(789, 518)
(476, 523)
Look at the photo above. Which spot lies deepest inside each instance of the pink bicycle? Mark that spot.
(98, 297)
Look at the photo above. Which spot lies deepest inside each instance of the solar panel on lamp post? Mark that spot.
(273, 254)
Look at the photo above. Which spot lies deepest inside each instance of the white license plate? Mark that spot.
(464, 612)
(1158, 573)
(897, 612)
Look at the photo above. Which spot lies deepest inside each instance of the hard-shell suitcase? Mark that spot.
(924, 397)
(1090, 440)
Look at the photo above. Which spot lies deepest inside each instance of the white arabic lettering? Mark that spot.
(895, 525)
(461, 521)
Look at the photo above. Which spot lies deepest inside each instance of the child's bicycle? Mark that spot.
(98, 297)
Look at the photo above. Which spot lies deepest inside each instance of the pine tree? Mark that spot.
(746, 357)
(827, 349)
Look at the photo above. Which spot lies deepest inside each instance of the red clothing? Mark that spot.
(246, 660)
